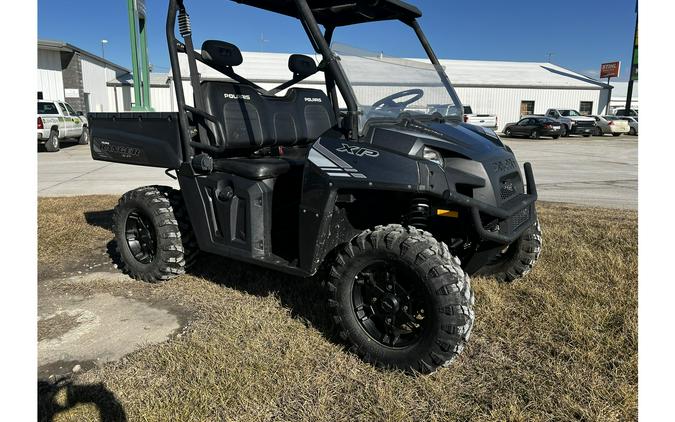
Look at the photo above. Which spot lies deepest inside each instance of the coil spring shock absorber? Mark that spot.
(418, 213)
(184, 26)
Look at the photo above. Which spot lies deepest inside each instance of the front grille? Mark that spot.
(507, 187)
(520, 218)
(585, 124)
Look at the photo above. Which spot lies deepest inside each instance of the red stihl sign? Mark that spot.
(610, 70)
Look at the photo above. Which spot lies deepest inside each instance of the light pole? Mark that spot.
(103, 43)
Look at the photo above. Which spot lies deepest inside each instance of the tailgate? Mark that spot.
(485, 120)
(147, 139)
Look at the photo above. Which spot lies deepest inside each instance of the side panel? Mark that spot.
(231, 215)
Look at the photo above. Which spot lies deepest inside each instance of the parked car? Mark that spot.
(58, 121)
(632, 123)
(573, 123)
(534, 128)
(624, 112)
(602, 126)
(484, 120)
(617, 125)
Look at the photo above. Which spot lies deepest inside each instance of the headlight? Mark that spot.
(433, 156)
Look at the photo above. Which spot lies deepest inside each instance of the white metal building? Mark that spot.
(619, 95)
(507, 89)
(68, 73)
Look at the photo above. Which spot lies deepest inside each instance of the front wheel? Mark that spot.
(616, 134)
(534, 134)
(598, 131)
(563, 131)
(507, 133)
(401, 299)
(517, 259)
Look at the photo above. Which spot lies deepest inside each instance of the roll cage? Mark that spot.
(311, 13)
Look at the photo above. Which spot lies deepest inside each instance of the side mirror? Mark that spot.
(79, 113)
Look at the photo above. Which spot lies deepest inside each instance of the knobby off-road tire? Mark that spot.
(518, 259)
(438, 292)
(154, 239)
(52, 144)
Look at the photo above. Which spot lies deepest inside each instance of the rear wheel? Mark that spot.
(84, 138)
(52, 144)
(534, 134)
(616, 134)
(632, 131)
(516, 260)
(401, 299)
(556, 136)
(152, 244)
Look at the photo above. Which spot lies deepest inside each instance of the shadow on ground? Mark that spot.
(304, 297)
(55, 398)
(102, 219)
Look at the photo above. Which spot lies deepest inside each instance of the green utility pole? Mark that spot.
(634, 64)
(139, 55)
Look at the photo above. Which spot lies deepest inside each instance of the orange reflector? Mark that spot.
(447, 213)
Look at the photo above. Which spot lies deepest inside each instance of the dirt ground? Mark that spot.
(250, 344)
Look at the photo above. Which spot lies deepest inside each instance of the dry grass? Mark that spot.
(559, 345)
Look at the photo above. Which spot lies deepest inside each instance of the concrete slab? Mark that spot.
(596, 171)
(588, 171)
(83, 331)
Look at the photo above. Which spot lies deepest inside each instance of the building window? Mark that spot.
(586, 108)
(40, 96)
(526, 108)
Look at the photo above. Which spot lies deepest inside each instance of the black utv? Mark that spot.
(372, 173)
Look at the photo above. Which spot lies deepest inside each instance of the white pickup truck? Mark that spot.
(484, 120)
(58, 121)
(573, 123)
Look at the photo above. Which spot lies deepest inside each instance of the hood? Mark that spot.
(456, 139)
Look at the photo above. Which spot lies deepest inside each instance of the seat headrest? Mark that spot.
(301, 65)
(221, 53)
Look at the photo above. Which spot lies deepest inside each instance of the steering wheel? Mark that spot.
(389, 101)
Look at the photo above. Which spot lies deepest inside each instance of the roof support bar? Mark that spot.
(333, 66)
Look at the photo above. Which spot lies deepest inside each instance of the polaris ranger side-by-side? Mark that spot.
(377, 177)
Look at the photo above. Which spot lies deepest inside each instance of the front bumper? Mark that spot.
(582, 130)
(514, 217)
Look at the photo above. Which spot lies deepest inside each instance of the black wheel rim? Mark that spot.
(140, 236)
(391, 303)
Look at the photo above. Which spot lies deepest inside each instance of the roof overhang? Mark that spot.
(69, 48)
(343, 12)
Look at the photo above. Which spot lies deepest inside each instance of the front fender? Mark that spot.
(334, 164)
